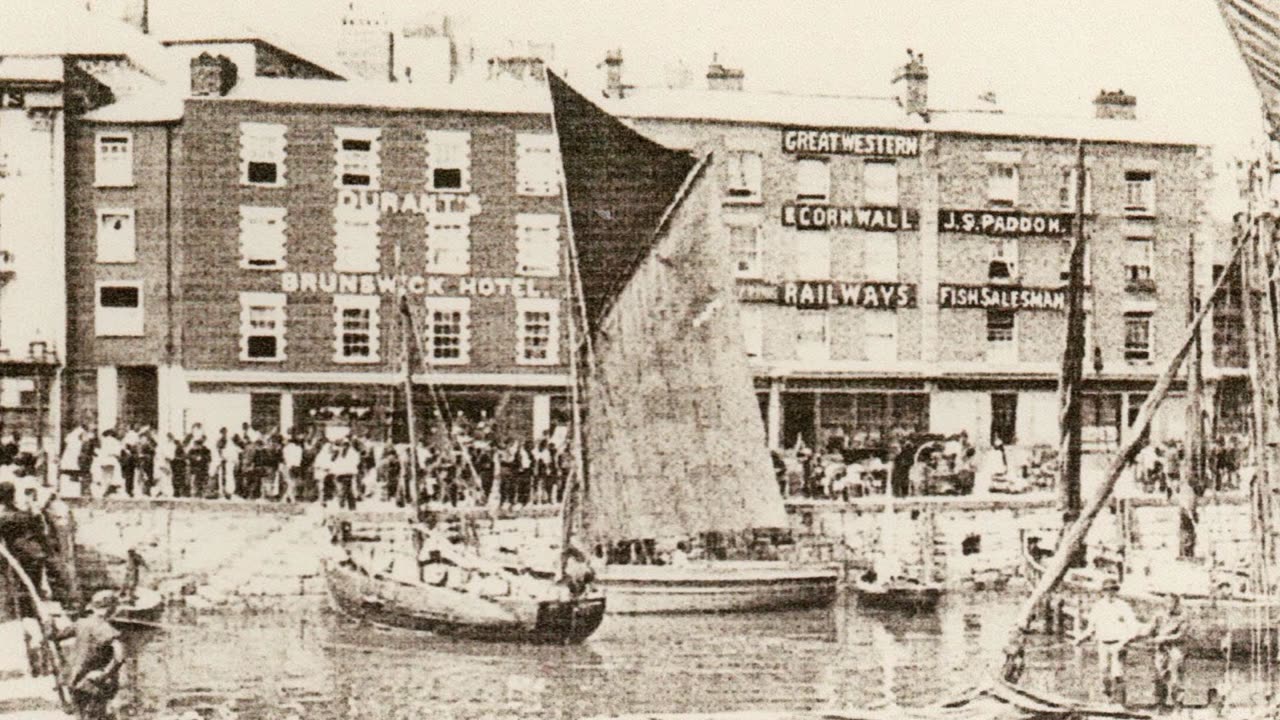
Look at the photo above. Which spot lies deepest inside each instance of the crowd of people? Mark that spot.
(468, 464)
(1158, 466)
(909, 464)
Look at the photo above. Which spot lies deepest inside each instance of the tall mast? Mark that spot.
(1192, 458)
(1073, 363)
(576, 482)
(405, 317)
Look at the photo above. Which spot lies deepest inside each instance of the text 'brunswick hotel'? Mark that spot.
(236, 240)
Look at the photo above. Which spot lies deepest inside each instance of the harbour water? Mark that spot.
(313, 664)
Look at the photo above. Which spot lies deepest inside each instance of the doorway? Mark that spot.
(1004, 418)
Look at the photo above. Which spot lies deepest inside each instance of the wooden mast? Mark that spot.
(404, 313)
(1073, 364)
(1192, 457)
(576, 482)
(1073, 538)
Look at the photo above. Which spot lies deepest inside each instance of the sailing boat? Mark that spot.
(675, 449)
(422, 577)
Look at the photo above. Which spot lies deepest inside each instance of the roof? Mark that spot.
(31, 69)
(160, 104)
(67, 28)
(479, 96)
(875, 112)
(194, 24)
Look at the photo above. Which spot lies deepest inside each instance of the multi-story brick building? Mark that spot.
(902, 267)
(235, 253)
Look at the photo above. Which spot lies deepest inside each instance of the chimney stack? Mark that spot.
(914, 97)
(211, 75)
(720, 77)
(613, 85)
(1115, 105)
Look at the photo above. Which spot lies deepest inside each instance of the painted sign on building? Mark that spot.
(807, 216)
(1001, 297)
(420, 203)
(1004, 222)
(810, 294)
(378, 284)
(838, 141)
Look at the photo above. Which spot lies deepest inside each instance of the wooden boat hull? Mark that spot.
(717, 587)
(450, 613)
(1214, 625)
(909, 598)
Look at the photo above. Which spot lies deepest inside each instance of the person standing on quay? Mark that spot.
(198, 460)
(1112, 623)
(344, 466)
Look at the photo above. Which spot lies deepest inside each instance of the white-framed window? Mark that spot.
(812, 253)
(262, 326)
(538, 244)
(880, 332)
(752, 317)
(357, 242)
(1139, 192)
(117, 238)
(880, 182)
(537, 331)
(449, 244)
(448, 331)
(1002, 267)
(262, 154)
(880, 257)
(449, 160)
(1067, 191)
(813, 179)
(743, 175)
(1137, 259)
(537, 165)
(118, 311)
(113, 159)
(1002, 335)
(812, 337)
(746, 244)
(262, 238)
(356, 153)
(1002, 184)
(356, 331)
(1137, 336)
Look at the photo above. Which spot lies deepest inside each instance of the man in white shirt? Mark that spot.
(344, 465)
(292, 455)
(1112, 623)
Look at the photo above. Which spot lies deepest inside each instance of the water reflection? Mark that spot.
(317, 665)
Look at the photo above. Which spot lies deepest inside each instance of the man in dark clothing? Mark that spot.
(93, 670)
(198, 459)
(23, 534)
(8, 448)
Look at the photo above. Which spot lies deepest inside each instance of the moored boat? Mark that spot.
(144, 610)
(450, 612)
(675, 449)
(722, 586)
(903, 595)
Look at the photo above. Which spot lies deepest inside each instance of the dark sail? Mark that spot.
(619, 185)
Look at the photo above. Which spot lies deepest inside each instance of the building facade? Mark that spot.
(902, 269)
(242, 264)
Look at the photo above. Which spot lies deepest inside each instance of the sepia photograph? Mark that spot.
(661, 360)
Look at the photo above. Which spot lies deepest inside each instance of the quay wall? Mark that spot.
(219, 553)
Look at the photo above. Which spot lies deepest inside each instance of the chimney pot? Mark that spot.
(914, 96)
(1115, 105)
(720, 77)
(211, 75)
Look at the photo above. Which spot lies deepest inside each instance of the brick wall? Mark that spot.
(212, 192)
(148, 200)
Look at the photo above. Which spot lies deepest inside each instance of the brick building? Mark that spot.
(904, 267)
(235, 251)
